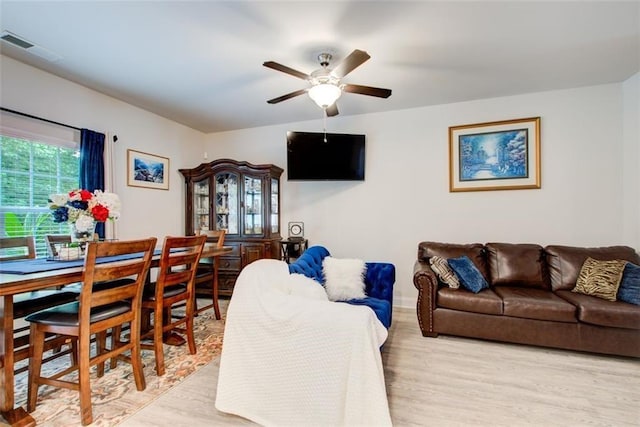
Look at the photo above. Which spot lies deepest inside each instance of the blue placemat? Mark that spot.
(39, 265)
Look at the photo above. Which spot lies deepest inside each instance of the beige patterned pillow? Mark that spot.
(600, 278)
(440, 266)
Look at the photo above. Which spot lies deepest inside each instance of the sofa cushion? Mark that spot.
(597, 311)
(446, 275)
(517, 265)
(344, 278)
(380, 307)
(531, 303)
(600, 278)
(475, 252)
(565, 262)
(468, 274)
(629, 290)
(485, 302)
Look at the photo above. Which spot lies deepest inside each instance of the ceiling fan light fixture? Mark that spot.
(324, 94)
(325, 83)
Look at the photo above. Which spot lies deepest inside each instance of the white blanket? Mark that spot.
(292, 360)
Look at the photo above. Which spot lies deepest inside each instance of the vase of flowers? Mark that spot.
(83, 209)
(82, 232)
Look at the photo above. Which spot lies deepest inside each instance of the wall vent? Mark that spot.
(34, 49)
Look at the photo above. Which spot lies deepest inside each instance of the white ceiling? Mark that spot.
(200, 62)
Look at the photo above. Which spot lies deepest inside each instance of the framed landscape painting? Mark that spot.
(147, 170)
(501, 155)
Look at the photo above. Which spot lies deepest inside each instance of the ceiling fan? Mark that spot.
(325, 82)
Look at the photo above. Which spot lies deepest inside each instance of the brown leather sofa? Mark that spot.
(529, 300)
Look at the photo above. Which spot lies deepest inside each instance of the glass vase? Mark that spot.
(82, 236)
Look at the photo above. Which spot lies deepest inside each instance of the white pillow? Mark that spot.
(344, 278)
(301, 285)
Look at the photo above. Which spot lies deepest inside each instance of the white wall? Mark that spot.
(590, 181)
(145, 212)
(405, 197)
(631, 160)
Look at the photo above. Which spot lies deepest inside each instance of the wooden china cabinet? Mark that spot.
(244, 200)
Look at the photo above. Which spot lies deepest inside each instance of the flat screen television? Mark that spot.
(312, 157)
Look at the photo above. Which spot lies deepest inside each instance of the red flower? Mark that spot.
(85, 195)
(100, 213)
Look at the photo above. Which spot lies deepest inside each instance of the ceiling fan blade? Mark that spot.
(332, 110)
(350, 63)
(367, 90)
(285, 69)
(287, 96)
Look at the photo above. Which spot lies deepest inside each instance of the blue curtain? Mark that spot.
(92, 165)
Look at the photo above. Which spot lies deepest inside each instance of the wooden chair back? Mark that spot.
(56, 239)
(116, 272)
(27, 243)
(179, 260)
(207, 274)
(213, 236)
(174, 284)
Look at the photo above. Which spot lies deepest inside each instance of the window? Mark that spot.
(31, 170)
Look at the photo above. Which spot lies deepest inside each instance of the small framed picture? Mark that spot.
(495, 156)
(147, 170)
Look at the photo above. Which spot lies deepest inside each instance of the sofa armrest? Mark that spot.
(426, 281)
(379, 280)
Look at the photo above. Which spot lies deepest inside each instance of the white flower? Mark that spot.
(84, 223)
(109, 200)
(58, 199)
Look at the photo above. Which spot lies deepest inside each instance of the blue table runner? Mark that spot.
(39, 265)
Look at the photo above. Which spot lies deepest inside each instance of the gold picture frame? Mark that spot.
(147, 170)
(501, 155)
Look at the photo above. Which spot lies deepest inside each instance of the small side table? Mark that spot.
(292, 248)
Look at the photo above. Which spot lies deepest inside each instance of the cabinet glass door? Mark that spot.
(201, 206)
(227, 202)
(253, 211)
(275, 202)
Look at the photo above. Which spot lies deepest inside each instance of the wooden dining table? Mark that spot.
(13, 284)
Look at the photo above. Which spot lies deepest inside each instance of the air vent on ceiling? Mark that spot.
(34, 49)
(13, 39)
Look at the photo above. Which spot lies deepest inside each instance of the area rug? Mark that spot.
(114, 396)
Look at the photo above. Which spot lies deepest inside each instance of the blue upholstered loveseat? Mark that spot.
(379, 280)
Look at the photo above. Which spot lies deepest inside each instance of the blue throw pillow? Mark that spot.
(629, 290)
(468, 273)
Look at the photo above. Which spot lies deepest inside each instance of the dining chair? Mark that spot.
(174, 285)
(56, 239)
(54, 242)
(99, 309)
(15, 248)
(207, 274)
(23, 248)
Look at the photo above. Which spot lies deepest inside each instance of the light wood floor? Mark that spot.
(452, 381)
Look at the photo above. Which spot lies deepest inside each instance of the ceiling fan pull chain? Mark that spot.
(324, 123)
